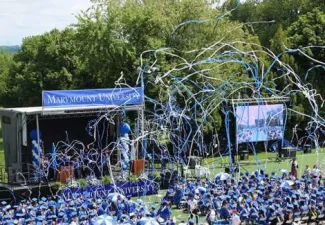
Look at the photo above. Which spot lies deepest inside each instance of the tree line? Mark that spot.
(109, 37)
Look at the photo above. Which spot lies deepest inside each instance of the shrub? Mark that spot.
(107, 180)
(82, 183)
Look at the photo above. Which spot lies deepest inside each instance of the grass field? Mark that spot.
(265, 161)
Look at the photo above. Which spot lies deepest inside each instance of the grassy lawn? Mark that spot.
(266, 161)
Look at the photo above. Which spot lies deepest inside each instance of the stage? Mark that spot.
(17, 192)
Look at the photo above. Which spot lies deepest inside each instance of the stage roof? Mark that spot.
(60, 111)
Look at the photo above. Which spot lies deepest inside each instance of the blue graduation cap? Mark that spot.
(40, 218)
(289, 206)
(260, 200)
(72, 209)
(83, 216)
(20, 214)
(52, 217)
(43, 207)
(6, 217)
(84, 205)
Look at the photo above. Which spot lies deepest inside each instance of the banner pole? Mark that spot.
(39, 149)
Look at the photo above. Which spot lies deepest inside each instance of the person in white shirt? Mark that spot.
(211, 217)
(307, 171)
(191, 205)
(315, 174)
(316, 171)
(235, 220)
(74, 221)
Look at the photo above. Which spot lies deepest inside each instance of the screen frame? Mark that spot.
(284, 110)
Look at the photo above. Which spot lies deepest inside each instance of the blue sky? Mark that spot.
(21, 18)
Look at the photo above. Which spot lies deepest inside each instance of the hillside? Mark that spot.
(11, 49)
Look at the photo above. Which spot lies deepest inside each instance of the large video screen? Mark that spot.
(259, 123)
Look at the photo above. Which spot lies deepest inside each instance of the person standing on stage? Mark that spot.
(77, 168)
(124, 147)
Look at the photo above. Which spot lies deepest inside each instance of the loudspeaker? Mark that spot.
(165, 180)
(243, 155)
(307, 149)
(193, 161)
(289, 152)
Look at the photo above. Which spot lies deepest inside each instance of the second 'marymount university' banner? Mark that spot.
(92, 97)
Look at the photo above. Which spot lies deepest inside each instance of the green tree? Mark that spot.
(268, 15)
(44, 62)
(308, 34)
(6, 62)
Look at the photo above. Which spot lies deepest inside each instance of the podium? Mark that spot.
(65, 173)
(137, 166)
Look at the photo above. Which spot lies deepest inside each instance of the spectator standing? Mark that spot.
(307, 172)
(294, 167)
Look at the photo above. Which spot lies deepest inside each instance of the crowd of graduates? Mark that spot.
(84, 208)
(256, 198)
